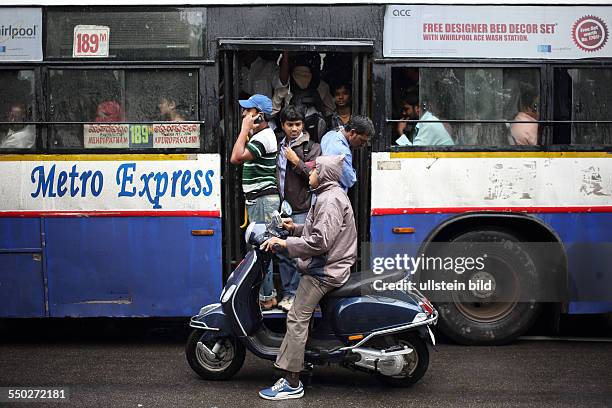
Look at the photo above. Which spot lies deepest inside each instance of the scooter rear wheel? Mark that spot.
(417, 362)
(229, 360)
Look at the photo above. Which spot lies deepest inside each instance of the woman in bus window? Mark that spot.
(526, 133)
(109, 111)
(169, 109)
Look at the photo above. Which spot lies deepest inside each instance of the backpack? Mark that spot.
(310, 102)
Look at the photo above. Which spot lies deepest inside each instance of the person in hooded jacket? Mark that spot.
(326, 245)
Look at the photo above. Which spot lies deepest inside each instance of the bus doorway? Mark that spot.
(333, 63)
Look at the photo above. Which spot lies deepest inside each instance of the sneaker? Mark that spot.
(282, 391)
(268, 304)
(287, 304)
(283, 303)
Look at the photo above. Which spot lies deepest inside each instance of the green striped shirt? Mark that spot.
(260, 173)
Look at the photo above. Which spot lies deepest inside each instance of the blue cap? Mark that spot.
(260, 102)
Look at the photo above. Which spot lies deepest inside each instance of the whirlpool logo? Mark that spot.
(13, 32)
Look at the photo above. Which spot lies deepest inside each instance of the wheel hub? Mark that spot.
(483, 285)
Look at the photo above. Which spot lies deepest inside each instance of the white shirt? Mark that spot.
(19, 139)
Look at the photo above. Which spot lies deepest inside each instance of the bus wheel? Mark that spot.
(228, 359)
(504, 310)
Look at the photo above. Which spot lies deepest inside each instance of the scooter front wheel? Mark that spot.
(416, 363)
(226, 362)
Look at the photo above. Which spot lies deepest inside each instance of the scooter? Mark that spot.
(382, 333)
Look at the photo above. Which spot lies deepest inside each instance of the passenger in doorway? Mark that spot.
(299, 84)
(170, 109)
(355, 134)
(259, 73)
(526, 133)
(344, 102)
(428, 131)
(19, 135)
(256, 149)
(295, 159)
(109, 111)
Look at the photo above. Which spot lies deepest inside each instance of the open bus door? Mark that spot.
(357, 55)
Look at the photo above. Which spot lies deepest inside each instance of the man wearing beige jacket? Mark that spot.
(326, 245)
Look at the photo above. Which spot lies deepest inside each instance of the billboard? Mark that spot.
(519, 32)
(20, 34)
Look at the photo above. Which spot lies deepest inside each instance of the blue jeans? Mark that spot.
(290, 277)
(260, 210)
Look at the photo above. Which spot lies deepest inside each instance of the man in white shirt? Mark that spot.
(429, 131)
(19, 135)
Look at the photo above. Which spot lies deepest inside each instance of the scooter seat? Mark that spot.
(362, 284)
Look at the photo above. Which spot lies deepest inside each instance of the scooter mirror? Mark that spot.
(277, 220)
(286, 209)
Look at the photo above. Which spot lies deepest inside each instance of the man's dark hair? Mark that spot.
(411, 99)
(291, 113)
(360, 124)
(342, 84)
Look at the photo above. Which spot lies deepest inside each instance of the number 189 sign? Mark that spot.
(90, 41)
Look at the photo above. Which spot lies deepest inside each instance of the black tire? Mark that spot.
(231, 360)
(418, 362)
(501, 315)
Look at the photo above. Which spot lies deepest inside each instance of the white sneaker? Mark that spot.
(283, 303)
(288, 304)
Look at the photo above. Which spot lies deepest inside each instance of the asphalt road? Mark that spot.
(132, 369)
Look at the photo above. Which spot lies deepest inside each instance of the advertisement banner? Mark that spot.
(188, 182)
(522, 32)
(158, 136)
(20, 34)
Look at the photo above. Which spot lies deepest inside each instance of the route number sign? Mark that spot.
(90, 41)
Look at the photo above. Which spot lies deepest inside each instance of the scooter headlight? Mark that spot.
(208, 308)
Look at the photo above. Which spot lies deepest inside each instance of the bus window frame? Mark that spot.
(546, 102)
(127, 9)
(388, 108)
(604, 64)
(38, 110)
(125, 67)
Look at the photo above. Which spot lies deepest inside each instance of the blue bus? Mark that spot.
(117, 197)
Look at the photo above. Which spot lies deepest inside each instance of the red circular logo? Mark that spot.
(590, 33)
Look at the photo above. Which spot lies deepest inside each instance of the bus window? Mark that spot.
(74, 96)
(447, 96)
(581, 94)
(166, 95)
(17, 105)
(108, 97)
(133, 35)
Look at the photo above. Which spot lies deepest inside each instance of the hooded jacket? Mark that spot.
(326, 244)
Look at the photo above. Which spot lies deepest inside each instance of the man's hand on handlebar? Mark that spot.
(288, 224)
(273, 244)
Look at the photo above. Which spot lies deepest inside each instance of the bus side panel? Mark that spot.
(587, 238)
(21, 270)
(132, 266)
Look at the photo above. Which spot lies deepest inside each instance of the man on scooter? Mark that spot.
(326, 245)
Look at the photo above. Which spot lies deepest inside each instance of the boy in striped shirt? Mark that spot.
(256, 149)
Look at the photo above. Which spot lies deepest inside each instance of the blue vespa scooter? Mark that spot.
(382, 333)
